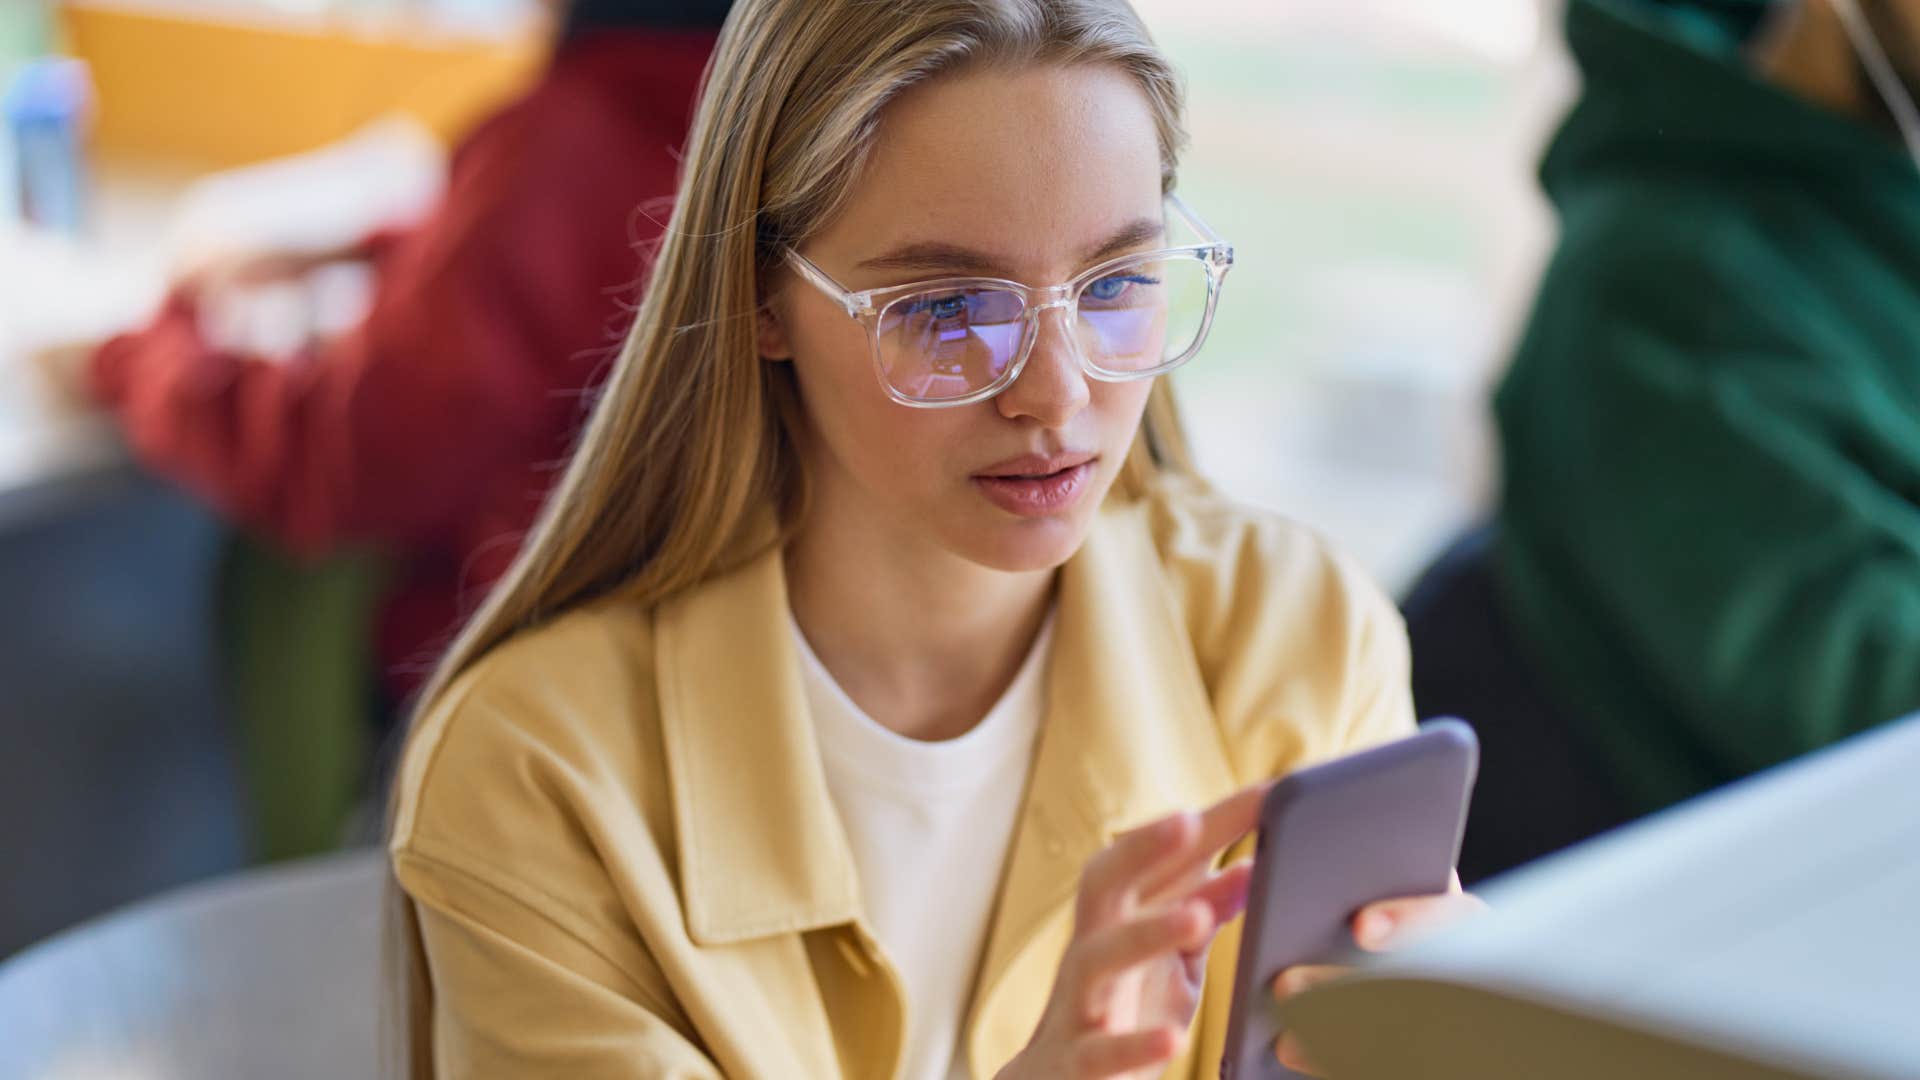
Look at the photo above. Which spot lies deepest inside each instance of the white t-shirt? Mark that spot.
(930, 824)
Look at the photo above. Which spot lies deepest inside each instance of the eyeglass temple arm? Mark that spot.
(854, 303)
(1186, 212)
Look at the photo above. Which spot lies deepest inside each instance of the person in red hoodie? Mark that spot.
(431, 430)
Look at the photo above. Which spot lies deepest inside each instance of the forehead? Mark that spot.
(1031, 166)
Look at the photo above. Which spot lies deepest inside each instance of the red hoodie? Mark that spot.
(434, 429)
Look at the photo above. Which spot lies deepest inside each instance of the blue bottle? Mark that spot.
(47, 105)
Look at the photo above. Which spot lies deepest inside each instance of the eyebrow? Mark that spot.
(953, 258)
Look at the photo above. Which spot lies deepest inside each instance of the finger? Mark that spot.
(1390, 923)
(1196, 870)
(1303, 977)
(1225, 892)
(1220, 825)
(1199, 873)
(1107, 954)
(1291, 1055)
(1224, 889)
(1110, 875)
(1117, 1055)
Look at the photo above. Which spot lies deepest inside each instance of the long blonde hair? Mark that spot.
(692, 439)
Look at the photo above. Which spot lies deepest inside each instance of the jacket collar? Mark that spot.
(760, 844)
(1128, 735)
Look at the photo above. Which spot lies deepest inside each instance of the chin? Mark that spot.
(1025, 545)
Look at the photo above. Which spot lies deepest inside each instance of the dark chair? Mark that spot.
(1539, 790)
(175, 701)
(117, 771)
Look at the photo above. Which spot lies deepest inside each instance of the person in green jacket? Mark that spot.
(1709, 548)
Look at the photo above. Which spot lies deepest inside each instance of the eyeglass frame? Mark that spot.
(868, 306)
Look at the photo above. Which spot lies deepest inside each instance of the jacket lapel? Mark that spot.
(761, 849)
(768, 885)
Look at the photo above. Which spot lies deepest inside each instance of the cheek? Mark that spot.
(851, 418)
(828, 348)
(1120, 406)
(832, 363)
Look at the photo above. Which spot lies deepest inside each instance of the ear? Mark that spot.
(770, 335)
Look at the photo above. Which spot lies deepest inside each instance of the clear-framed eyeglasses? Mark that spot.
(957, 340)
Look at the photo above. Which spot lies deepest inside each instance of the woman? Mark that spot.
(879, 600)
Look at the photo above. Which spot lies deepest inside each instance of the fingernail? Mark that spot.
(1199, 920)
(1375, 928)
(1286, 1053)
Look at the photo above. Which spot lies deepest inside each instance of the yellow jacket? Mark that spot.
(616, 834)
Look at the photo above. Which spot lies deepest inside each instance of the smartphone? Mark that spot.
(1376, 825)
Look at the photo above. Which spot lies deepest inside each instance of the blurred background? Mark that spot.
(1372, 161)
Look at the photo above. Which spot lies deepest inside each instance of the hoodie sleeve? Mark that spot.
(1717, 484)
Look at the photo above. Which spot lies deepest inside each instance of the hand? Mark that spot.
(216, 275)
(1148, 908)
(1376, 928)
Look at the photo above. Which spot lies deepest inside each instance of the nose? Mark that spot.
(1052, 388)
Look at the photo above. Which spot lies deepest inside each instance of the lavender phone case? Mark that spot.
(1375, 825)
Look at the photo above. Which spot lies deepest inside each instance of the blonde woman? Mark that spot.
(880, 691)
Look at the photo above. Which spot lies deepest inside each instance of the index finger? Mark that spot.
(1220, 826)
(1146, 860)
(1110, 876)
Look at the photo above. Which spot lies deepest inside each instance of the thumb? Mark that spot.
(1391, 923)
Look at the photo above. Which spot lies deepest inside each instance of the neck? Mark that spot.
(1807, 53)
(921, 639)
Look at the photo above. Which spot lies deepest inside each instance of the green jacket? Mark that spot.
(1710, 538)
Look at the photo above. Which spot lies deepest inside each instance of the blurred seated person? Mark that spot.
(1710, 541)
(429, 431)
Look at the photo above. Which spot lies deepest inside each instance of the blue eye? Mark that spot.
(942, 308)
(1109, 289)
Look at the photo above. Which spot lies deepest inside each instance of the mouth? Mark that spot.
(1036, 466)
(1037, 485)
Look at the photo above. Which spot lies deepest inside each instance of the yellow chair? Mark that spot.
(183, 86)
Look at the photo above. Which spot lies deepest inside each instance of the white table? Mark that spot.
(58, 291)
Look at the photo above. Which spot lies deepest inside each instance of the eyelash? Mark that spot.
(1131, 279)
(927, 303)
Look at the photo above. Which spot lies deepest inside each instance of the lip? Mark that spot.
(1030, 465)
(1037, 486)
